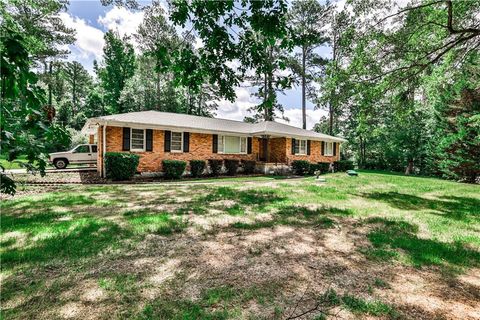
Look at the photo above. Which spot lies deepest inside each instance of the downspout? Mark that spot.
(104, 147)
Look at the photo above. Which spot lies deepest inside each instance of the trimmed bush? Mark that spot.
(215, 166)
(232, 166)
(315, 167)
(173, 169)
(249, 166)
(197, 167)
(120, 165)
(301, 167)
(323, 167)
(343, 165)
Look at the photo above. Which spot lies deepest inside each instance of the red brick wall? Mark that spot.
(277, 150)
(315, 153)
(200, 149)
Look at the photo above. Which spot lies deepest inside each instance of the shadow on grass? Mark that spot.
(261, 198)
(297, 216)
(66, 241)
(458, 208)
(65, 200)
(391, 235)
(221, 302)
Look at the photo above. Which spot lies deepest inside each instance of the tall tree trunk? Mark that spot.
(265, 97)
(74, 91)
(157, 104)
(304, 110)
(50, 84)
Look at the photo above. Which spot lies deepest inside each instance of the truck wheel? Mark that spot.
(60, 163)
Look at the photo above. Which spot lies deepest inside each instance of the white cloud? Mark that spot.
(120, 19)
(239, 109)
(89, 40)
(295, 117)
(236, 110)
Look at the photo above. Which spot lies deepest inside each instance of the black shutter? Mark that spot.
(323, 148)
(293, 146)
(215, 143)
(249, 145)
(149, 140)
(186, 142)
(167, 141)
(308, 147)
(334, 149)
(126, 139)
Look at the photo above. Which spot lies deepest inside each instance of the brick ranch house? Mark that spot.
(156, 136)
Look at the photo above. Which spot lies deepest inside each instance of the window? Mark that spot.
(82, 149)
(137, 140)
(301, 147)
(329, 148)
(94, 148)
(176, 142)
(232, 144)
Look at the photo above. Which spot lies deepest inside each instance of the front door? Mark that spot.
(263, 150)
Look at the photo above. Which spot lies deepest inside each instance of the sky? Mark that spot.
(91, 20)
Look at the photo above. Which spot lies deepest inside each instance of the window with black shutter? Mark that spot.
(149, 140)
(249, 145)
(167, 140)
(215, 143)
(126, 139)
(186, 142)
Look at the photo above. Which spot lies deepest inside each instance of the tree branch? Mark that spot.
(407, 9)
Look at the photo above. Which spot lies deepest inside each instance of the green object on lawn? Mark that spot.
(352, 173)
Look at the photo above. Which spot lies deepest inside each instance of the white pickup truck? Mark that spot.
(81, 154)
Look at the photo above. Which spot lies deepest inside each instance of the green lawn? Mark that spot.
(16, 164)
(245, 248)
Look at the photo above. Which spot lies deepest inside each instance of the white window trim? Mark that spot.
(328, 154)
(181, 142)
(144, 140)
(297, 141)
(221, 140)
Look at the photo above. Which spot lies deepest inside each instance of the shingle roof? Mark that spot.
(173, 121)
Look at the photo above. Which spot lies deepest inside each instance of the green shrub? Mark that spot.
(120, 165)
(197, 167)
(322, 166)
(215, 166)
(343, 165)
(248, 166)
(232, 166)
(301, 167)
(173, 169)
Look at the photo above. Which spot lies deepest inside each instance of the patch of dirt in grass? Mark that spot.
(431, 293)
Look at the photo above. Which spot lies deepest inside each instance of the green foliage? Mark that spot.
(301, 167)
(118, 67)
(197, 167)
(321, 166)
(248, 166)
(458, 148)
(26, 122)
(231, 166)
(121, 165)
(343, 165)
(173, 169)
(261, 30)
(215, 166)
